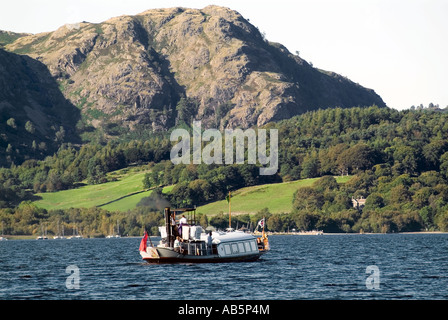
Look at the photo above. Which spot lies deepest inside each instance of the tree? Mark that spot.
(54, 182)
(399, 194)
(328, 160)
(249, 173)
(12, 123)
(343, 162)
(310, 166)
(189, 173)
(374, 201)
(147, 181)
(186, 110)
(200, 191)
(427, 215)
(326, 183)
(363, 157)
(421, 197)
(95, 172)
(30, 127)
(306, 220)
(220, 221)
(442, 222)
(432, 153)
(181, 195)
(275, 223)
(60, 135)
(444, 165)
(221, 111)
(358, 157)
(408, 157)
(307, 199)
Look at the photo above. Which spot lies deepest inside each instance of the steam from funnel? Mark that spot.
(155, 201)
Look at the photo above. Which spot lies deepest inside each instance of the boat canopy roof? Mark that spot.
(219, 237)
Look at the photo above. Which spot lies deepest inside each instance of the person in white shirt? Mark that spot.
(183, 220)
(209, 242)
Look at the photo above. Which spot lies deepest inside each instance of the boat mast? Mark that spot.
(264, 222)
(230, 215)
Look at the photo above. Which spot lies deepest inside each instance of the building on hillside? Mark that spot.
(358, 203)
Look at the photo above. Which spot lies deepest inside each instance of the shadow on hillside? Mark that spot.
(30, 94)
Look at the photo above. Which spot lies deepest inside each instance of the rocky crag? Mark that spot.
(163, 66)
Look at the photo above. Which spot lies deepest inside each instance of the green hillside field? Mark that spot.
(120, 195)
(276, 197)
(124, 194)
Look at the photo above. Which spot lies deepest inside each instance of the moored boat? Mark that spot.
(114, 236)
(44, 234)
(60, 235)
(188, 242)
(2, 238)
(76, 234)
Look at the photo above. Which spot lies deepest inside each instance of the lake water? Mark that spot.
(392, 266)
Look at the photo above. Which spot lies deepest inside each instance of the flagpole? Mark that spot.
(264, 222)
(230, 216)
(149, 237)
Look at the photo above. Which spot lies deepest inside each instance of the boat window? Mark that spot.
(253, 245)
(247, 246)
(227, 249)
(234, 248)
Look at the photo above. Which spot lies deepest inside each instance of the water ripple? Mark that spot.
(297, 267)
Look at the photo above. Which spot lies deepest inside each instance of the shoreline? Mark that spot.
(33, 237)
(269, 233)
(312, 233)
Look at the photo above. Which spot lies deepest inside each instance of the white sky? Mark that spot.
(398, 48)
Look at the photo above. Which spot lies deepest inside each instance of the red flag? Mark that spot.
(143, 242)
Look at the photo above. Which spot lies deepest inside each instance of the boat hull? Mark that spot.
(166, 255)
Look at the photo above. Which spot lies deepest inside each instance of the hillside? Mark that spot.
(276, 197)
(132, 71)
(35, 117)
(122, 194)
(398, 161)
(126, 191)
(7, 37)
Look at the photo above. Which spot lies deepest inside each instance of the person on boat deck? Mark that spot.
(176, 245)
(182, 221)
(209, 242)
(174, 228)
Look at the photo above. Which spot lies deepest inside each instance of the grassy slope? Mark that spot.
(113, 196)
(97, 195)
(276, 197)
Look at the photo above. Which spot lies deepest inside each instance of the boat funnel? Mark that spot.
(169, 233)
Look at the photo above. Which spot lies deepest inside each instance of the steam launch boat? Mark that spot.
(188, 242)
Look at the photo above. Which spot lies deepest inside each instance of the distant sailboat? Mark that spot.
(117, 235)
(60, 234)
(2, 238)
(76, 234)
(44, 234)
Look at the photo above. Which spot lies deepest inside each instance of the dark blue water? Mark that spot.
(411, 266)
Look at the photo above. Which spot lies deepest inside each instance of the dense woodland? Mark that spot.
(398, 160)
